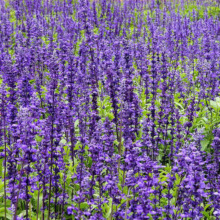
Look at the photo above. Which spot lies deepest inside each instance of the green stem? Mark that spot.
(38, 198)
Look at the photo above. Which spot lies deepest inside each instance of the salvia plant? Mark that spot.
(109, 109)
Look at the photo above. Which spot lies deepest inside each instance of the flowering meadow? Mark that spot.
(109, 109)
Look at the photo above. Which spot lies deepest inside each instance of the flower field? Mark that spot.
(109, 109)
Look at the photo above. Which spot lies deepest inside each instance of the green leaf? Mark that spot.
(205, 144)
(38, 138)
(2, 213)
(84, 205)
(109, 209)
(208, 205)
(206, 214)
(63, 141)
(32, 81)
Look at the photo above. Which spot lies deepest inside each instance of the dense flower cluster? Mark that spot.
(109, 109)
